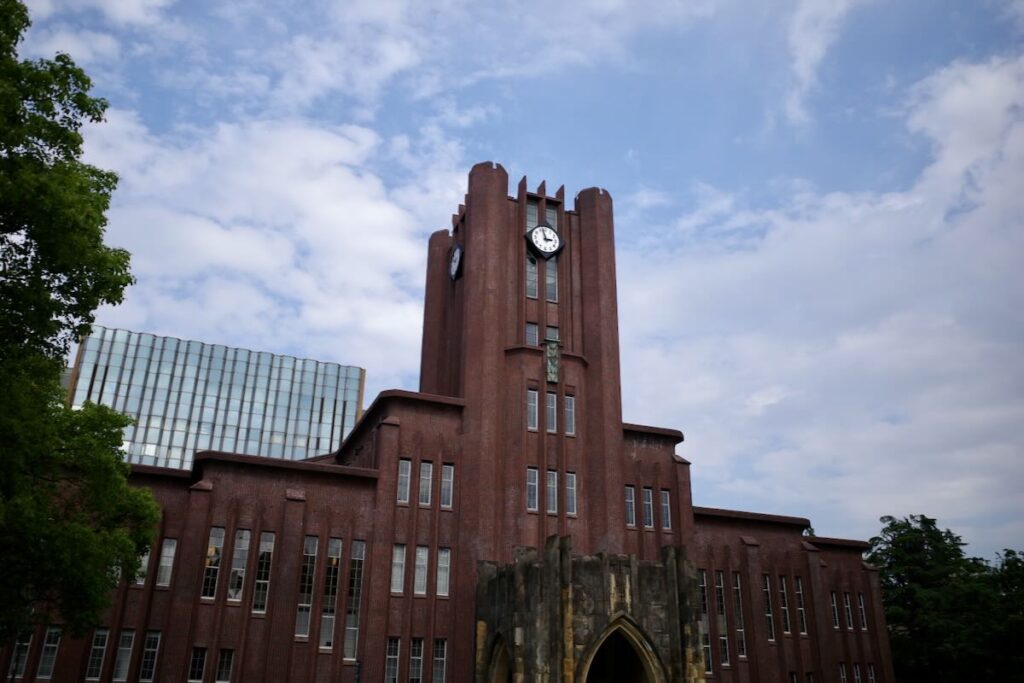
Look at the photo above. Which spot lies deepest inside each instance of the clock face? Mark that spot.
(545, 240)
(455, 263)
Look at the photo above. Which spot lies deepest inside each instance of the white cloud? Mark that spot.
(86, 47)
(124, 12)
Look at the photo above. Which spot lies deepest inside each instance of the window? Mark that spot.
(224, 661)
(551, 279)
(19, 657)
(150, 649)
(426, 482)
(723, 621)
(531, 489)
(801, 612)
(532, 334)
(630, 506)
(330, 599)
(792, 677)
(551, 415)
(440, 659)
(419, 583)
(784, 604)
(416, 660)
(552, 490)
(391, 660)
(140, 578)
(551, 333)
(648, 507)
(48, 657)
(96, 652)
(570, 493)
(197, 665)
(306, 574)
(835, 611)
(856, 673)
(666, 509)
(239, 558)
(397, 567)
(737, 605)
(871, 674)
(263, 561)
(767, 588)
(163, 571)
(705, 625)
(447, 486)
(531, 276)
(124, 654)
(862, 612)
(444, 562)
(570, 416)
(531, 409)
(842, 672)
(848, 608)
(212, 567)
(404, 473)
(810, 678)
(355, 594)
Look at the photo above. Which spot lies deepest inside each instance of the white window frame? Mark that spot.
(737, 603)
(570, 493)
(165, 570)
(551, 412)
(261, 581)
(201, 651)
(146, 649)
(442, 581)
(416, 660)
(835, 611)
(48, 655)
(440, 662)
(239, 561)
(391, 659)
(630, 505)
(219, 676)
(848, 609)
(768, 612)
(532, 489)
(404, 480)
(214, 560)
(140, 579)
(863, 612)
(532, 334)
(426, 483)
(307, 570)
(123, 657)
(551, 492)
(532, 416)
(422, 567)
(398, 568)
(666, 509)
(570, 415)
(447, 485)
(101, 646)
(801, 611)
(648, 507)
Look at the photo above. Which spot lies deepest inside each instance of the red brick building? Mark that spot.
(500, 524)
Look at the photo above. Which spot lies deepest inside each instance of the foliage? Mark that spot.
(69, 522)
(951, 617)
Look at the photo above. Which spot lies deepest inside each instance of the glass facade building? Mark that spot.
(187, 396)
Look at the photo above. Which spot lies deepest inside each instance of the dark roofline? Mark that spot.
(254, 460)
(673, 435)
(839, 542)
(751, 516)
(369, 417)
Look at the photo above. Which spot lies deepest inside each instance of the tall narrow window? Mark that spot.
(263, 562)
(48, 657)
(723, 621)
(532, 334)
(440, 660)
(551, 414)
(630, 506)
(810, 678)
(391, 660)
(355, 596)
(225, 660)
(784, 604)
(96, 653)
(150, 650)
(163, 571)
(140, 577)
(648, 507)
(531, 409)
(871, 674)
(862, 612)
(848, 608)
(666, 509)
(124, 655)
(705, 622)
(447, 486)
(404, 474)
(197, 665)
(551, 279)
(551, 333)
(416, 660)
(398, 568)
(419, 584)
(211, 569)
(239, 558)
(532, 484)
(835, 611)
(531, 276)
(306, 574)
(801, 611)
(552, 489)
(19, 657)
(444, 561)
(570, 416)
(426, 482)
(737, 606)
(856, 673)
(769, 620)
(570, 493)
(329, 604)
(842, 672)
(532, 213)
(551, 214)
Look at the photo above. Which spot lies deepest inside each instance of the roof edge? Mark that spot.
(672, 434)
(751, 516)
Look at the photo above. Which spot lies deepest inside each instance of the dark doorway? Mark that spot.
(501, 667)
(617, 662)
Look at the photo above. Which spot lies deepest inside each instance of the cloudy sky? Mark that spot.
(820, 211)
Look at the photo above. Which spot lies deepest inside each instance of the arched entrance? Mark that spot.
(501, 664)
(622, 655)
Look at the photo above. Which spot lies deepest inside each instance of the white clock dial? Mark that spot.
(455, 262)
(545, 239)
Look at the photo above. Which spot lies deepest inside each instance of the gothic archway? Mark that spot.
(501, 663)
(622, 655)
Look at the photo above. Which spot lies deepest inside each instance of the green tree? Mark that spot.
(69, 522)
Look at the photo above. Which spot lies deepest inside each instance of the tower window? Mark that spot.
(648, 507)
(308, 570)
(419, 584)
(447, 485)
(630, 506)
(531, 488)
(551, 415)
(570, 493)
(769, 620)
(426, 482)
(404, 473)
(397, 567)
(570, 415)
(552, 490)
(666, 509)
(551, 279)
(531, 409)
(213, 556)
(531, 276)
(551, 333)
(532, 338)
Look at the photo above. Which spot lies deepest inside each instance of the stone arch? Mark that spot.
(624, 643)
(499, 668)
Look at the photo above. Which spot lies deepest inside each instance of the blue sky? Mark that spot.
(819, 217)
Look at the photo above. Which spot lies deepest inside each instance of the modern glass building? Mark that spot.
(188, 396)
